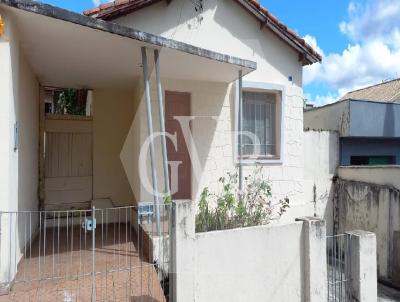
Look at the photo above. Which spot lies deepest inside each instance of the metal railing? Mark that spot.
(112, 254)
(339, 268)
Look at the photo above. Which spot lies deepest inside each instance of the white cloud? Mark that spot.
(375, 19)
(372, 55)
(98, 2)
(312, 41)
(320, 100)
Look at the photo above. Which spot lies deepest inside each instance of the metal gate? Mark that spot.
(114, 254)
(339, 268)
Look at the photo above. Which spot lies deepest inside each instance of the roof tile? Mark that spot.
(388, 91)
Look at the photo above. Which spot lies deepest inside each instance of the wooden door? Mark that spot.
(178, 104)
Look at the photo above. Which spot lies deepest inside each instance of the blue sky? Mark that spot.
(359, 40)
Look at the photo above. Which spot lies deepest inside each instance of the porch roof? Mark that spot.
(67, 49)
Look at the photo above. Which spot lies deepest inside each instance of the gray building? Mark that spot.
(368, 123)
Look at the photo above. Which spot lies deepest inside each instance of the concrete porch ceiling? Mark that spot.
(67, 49)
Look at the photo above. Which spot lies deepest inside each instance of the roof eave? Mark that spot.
(308, 57)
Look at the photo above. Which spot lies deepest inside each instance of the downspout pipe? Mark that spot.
(151, 133)
(240, 129)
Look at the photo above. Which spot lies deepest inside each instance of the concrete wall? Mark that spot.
(255, 264)
(265, 263)
(363, 284)
(385, 119)
(333, 117)
(350, 146)
(379, 175)
(371, 207)
(321, 158)
(19, 92)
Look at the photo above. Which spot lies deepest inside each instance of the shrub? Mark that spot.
(230, 208)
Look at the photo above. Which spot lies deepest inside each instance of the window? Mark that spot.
(262, 117)
(259, 115)
(68, 101)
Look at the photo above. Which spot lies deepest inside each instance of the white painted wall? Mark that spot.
(363, 283)
(321, 158)
(255, 264)
(19, 173)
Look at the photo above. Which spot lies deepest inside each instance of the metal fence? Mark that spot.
(113, 254)
(339, 268)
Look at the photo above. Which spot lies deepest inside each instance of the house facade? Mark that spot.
(273, 96)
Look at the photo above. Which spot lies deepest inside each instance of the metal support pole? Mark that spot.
(162, 122)
(93, 253)
(150, 129)
(240, 126)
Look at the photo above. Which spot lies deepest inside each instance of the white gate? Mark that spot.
(68, 163)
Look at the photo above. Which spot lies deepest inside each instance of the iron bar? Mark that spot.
(151, 132)
(162, 122)
(338, 267)
(93, 254)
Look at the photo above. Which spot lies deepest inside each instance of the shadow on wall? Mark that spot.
(333, 153)
(390, 122)
(329, 210)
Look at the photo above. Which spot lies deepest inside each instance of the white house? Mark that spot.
(244, 29)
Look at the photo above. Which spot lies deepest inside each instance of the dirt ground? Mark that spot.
(60, 267)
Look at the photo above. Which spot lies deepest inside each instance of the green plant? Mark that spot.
(167, 199)
(67, 101)
(230, 208)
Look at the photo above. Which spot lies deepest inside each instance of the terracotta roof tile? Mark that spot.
(112, 10)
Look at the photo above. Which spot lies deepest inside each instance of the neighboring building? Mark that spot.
(368, 122)
(367, 191)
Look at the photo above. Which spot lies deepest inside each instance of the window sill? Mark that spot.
(260, 161)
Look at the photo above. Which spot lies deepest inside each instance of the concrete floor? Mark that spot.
(387, 294)
(59, 268)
